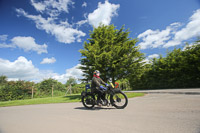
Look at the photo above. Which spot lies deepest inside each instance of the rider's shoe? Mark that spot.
(99, 103)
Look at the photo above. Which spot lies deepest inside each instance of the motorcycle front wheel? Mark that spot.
(119, 100)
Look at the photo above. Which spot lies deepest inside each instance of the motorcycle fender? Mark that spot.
(117, 90)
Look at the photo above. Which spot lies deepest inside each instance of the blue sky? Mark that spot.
(42, 39)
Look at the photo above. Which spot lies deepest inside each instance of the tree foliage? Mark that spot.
(46, 86)
(14, 90)
(179, 69)
(3, 79)
(112, 52)
(71, 81)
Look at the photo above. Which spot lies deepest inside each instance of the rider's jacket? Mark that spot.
(96, 83)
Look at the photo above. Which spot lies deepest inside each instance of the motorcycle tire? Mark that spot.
(119, 100)
(88, 101)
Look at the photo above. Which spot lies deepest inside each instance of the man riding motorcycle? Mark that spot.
(96, 87)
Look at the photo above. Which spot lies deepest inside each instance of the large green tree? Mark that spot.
(112, 52)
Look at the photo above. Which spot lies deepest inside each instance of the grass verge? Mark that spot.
(61, 99)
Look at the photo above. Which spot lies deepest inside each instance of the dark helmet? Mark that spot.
(96, 71)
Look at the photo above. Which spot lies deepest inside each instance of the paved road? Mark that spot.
(153, 113)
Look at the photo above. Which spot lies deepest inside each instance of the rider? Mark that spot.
(97, 87)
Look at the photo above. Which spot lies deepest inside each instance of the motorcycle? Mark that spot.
(113, 97)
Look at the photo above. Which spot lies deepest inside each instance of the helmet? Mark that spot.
(96, 71)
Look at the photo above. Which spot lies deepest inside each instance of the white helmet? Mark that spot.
(96, 71)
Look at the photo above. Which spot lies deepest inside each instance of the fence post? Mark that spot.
(52, 90)
(32, 92)
(70, 89)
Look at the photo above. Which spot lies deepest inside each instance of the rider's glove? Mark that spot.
(101, 87)
(104, 88)
(107, 84)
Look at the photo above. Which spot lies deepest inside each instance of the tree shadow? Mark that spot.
(73, 97)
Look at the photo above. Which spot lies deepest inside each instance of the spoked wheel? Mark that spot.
(119, 100)
(88, 101)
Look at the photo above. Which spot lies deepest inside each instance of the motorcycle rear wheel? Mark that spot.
(88, 101)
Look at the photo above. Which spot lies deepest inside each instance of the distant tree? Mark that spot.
(46, 85)
(3, 79)
(112, 52)
(179, 69)
(71, 81)
(78, 88)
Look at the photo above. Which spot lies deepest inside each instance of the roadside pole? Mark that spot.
(52, 90)
(32, 92)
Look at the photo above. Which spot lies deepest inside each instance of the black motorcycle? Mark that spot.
(114, 97)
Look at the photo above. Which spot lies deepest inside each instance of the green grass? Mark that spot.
(132, 94)
(48, 100)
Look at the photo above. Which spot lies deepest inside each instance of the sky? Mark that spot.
(41, 39)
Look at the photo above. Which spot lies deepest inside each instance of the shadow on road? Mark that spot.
(94, 109)
(1, 131)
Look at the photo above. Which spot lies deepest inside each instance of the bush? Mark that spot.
(15, 90)
(78, 88)
(45, 86)
(179, 69)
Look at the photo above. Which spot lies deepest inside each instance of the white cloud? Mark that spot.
(18, 69)
(29, 44)
(3, 37)
(25, 43)
(85, 15)
(79, 23)
(48, 61)
(103, 14)
(149, 58)
(39, 6)
(146, 61)
(153, 56)
(84, 4)
(71, 72)
(171, 36)
(23, 69)
(52, 7)
(157, 38)
(192, 29)
(4, 45)
(63, 33)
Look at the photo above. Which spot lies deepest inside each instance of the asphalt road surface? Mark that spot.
(153, 113)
